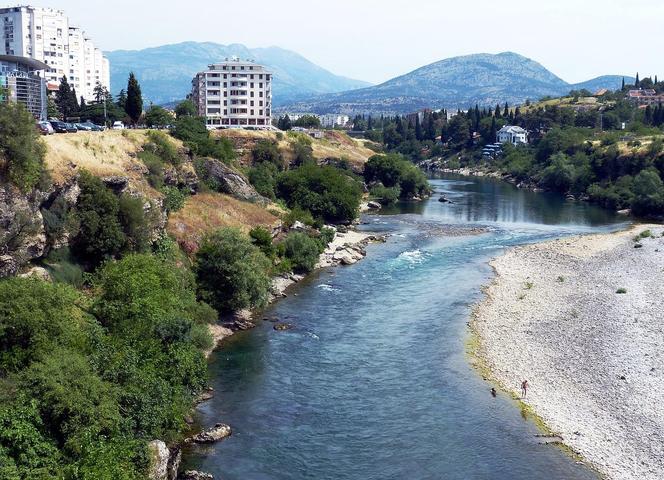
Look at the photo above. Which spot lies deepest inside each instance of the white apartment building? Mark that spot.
(332, 120)
(46, 34)
(234, 93)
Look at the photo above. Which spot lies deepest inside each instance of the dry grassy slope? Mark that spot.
(103, 154)
(114, 153)
(335, 144)
(207, 212)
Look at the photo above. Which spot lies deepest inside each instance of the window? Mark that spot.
(251, 103)
(260, 103)
(252, 84)
(252, 112)
(260, 112)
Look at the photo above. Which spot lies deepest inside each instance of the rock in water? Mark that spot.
(195, 475)
(214, 434)
(283, 326)
(374, 205)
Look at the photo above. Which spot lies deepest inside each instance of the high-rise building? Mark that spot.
(20, 82)
(46, 34)
(234, 93)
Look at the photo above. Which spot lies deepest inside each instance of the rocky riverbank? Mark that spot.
(580, 319)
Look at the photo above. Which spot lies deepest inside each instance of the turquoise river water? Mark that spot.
(374, 381)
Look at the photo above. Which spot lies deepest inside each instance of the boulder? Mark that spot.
(196, 475)
(374, 205)
(37, 272)
(228, 181)
(283, 326)
(159, 458)
(214, 434)
(116, 183)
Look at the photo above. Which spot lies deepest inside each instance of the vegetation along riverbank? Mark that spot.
(578, 318)
(122, 255)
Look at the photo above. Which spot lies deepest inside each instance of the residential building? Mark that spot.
(512, 134)
(47, 35)
(234, 93)
(332, 120)
(21, 82)
(645, 97)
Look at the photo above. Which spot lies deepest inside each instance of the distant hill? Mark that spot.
(165, 72)
(611, 82)
(458, 82)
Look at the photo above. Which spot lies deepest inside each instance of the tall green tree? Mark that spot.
(134, 106)
(122, 99)
(65, 99)
(185, 108)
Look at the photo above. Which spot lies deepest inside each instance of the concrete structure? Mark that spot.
(21, 81)
(645, 97)
(234, 93)
(46, 34)
(512, 134)
(332, 120)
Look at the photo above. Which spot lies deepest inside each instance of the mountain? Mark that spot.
(610, 82)
(165, 72)
(458, 82)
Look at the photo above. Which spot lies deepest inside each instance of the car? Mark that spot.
(71, 128)
(45, 128)
(58, 126)
(83, 127)
(118, 126)
(93, 127)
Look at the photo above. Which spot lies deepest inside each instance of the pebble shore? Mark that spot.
(581, 319)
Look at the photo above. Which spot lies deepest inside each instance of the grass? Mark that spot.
(529, 285)
(642, 235)
(206, 212)
(560, 279)
(621, 291)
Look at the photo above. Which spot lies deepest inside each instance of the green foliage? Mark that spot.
(307, 121)
(394, 170)
(134, 102)
(135, 223)
(302, 251)
(185, 108)
(195, 135)
(648, 192)
(100, 234)
(21, 150)
(66, 99)
(386, 195)
(262, 238)
(155, 167)
(160, 145)
(232, 273)
(157, 116)
(621, 291)
(303, 153)
(263, 177)
(267, 151)
(327, 192)
(174, 199)
(299, 215)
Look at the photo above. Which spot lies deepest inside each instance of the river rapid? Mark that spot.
(374, 382)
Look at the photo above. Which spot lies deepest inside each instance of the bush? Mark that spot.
(267, 151)
(299, 215)
(302, 152)
(648, 192)
(155, 168)
(160, 145)
(263, 178)
(100, 234)
(262, 238)
(395, 171)
(302, 251)
(174, 199)
(385, 195)
(135, 224)
(232, 273)
(21, 150)
(326, 192)
(193, 132)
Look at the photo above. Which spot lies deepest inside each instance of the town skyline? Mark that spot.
(376, 41)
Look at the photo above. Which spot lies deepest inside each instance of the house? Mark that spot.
(645, 97)
(512, 134)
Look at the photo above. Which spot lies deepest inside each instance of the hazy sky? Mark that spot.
(375, 40)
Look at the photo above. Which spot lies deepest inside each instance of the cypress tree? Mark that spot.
(65, 99)
(506, 112)
(134, 106)
(497, 112)
(637, 81)
(623, 84)
(122, 99)
(419, 135)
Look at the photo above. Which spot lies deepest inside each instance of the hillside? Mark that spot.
(165, 72)
(458, 82)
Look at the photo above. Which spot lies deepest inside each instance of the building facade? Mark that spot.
(332, 120)
(234, 93)
(512, 134)
(21, 82)
(46, 34)
(645, 97)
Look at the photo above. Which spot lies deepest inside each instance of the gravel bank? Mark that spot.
(594, 358)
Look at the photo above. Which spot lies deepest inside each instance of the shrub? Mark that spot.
(174, 199)
(155, 168)
(263, 178)
(21, 150)
(262, 238)
(326, 192)
(232, 273)
(395, 171)
(302, 250)
(267, 151)
(161, 145)
(193, 132)
(621, 291)
(385, 195)
(299, 215)
(135, 223)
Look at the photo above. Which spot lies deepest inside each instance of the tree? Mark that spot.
(122, 100)
(302, 250)
(231, 272)
(637, 82)
(21, 150)
(267, 151)
(65, 99)
(100, 93)
(134, 105)
(284, 123)
(157, 116)
(307, 121)
(623, 84)
(185, 108)
(648, 192)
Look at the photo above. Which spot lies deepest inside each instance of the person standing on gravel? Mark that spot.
(524, 388)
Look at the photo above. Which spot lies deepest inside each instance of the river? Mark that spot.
(375, 382)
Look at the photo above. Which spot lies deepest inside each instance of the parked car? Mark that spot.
(45, 128)
(118, 126)
(83, 127)
(58, 126)
(71, 128)
(93, 127)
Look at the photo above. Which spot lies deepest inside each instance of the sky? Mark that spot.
(375, 40)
